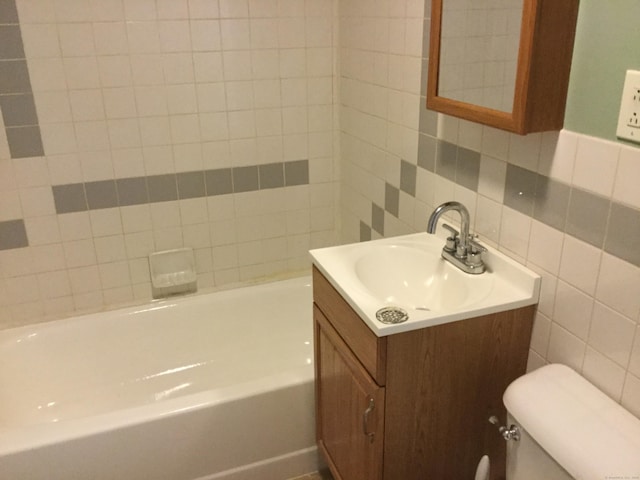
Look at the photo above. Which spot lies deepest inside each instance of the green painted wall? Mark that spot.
(607, 44)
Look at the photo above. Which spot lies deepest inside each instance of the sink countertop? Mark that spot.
(381, 273)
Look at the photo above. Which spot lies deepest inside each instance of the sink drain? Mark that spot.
(392, 315)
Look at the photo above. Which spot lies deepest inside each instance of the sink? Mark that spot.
(410, 276)
(409, 273)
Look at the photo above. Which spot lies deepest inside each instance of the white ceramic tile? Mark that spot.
(36, 11)
(81, 72)
(291, 33)
(596, 163)
(204, 9)
(196, 236)
(207, 66)
(604, 374)
(115, 274)
(171, 9)
(105, 222)
(139, 244)
(515, 231)
(30, 172)
(37, 201)
(488, 219)
(115, 71)
(74, 226)
(92, 136)
(565, 348)
(626, 188)
(58, 138)
(234, 8)
(168, 238)
(175, 36)
(611, 334)
(495, 143)
(546, 247)
(178, 68)
(110, 38)
(87, 104)
(181, 99)
(124, 133)
(524, 150)
(47, 74)
(53, 107)
(23, 289)
(237, 65)
(11, 205)
(54, 284)
(580, 264)
(144, 37)
(185, 128)
(119, 102)
(631, 394)
(42, 230)
(618, 285)
(558, 154)
(205, 35)
(573, 310)
(84, 279)
(76, 39)
(147, 69)
(110, 249)
(40, 40)
(547, 299)
(80, 253)
(634, 362)
(154, 131)
(48, 258)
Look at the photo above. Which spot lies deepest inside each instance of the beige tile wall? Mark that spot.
(589, 310)
(133, 88)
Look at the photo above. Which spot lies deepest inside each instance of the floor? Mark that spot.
(321, 475)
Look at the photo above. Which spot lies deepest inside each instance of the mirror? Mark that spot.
(503, 63)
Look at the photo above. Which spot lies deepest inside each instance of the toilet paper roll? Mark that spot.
(482, 472)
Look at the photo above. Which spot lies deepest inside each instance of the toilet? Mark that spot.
(568, 430)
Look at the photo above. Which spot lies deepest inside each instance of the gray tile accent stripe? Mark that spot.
(16, 96)
(13, 234)
(78, 197)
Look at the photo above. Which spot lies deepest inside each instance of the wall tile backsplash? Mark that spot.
(131, 126)
(560, 202)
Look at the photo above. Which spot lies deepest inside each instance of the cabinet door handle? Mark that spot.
(365, 420)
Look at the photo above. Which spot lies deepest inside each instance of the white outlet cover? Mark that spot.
(629, 119)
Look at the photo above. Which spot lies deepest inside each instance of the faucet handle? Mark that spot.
(475, 246)
(452, 241)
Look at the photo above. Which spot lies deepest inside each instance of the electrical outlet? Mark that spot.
(629, 119)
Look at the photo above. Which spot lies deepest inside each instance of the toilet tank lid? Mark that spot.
(583, 430)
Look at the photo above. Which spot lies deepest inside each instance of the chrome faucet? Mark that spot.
(460, 249)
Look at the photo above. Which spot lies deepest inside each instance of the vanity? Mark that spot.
(411, 400)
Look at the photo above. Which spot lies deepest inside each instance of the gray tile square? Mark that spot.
(424, 74)
(13, 234)
(218, 182)
(296, 173)
(426, 28)
(162, 188)
(132, 191)
(623, 233)
(520, 189)
(377, 218)
(11, 47)
(18, 110)
(551, 202)
(8, 12)
(468, 168)
(191, 185)
(69, 198)
(271, 175)
(427, 152)
(391, 199)
(101, 194)
(245, 179)
(446, 158)
(587, 217)
(14, 77)
(365, 232)
(25, 142)
(408, 174)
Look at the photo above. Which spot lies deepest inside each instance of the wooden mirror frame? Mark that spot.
(542, 75)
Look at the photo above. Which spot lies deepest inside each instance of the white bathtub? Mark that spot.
(216, 386)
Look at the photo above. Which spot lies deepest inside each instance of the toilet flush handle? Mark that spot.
(508, 433)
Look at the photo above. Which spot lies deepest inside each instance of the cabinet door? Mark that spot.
(349, 408)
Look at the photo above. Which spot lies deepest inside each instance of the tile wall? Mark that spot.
(562, 203)
(132, 126)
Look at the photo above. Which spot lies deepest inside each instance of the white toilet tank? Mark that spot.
(569, 430)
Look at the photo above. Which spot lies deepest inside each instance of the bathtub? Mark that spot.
(214, 386)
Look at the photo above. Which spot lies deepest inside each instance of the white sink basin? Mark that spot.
(408, 272)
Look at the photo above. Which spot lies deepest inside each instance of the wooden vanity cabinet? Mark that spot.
(414, 405)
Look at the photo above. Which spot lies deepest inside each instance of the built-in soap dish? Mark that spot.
(172, 272)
